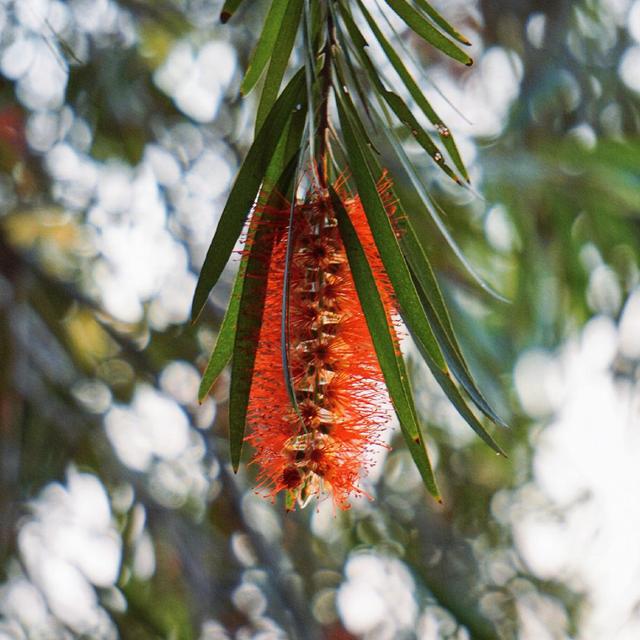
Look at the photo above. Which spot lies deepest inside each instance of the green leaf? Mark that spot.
(250, 313)
(431, 296)
(391, 363)
(427, 201)
(441, 22)
(360, 43)
(265, 46)
(423, 323)
(436, 310)
(279, 59)
(405, 116)
(385, 237)
(427, 31)
(402, 112)
(454, 395)
(245, 189)
(416, 93)
(362, 132)
(223, 348)
(247, 334)
(228, 9)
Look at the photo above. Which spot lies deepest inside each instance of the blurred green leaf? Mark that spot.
(228, 9)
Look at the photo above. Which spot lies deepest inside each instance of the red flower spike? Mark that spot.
(343, 407)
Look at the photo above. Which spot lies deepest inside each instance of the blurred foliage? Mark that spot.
(561, 176)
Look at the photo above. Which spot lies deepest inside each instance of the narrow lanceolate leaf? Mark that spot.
(402, 112)
(441, 22)
(431, 297)
(391, 363)
(251, 308)
(247, 333)
(385, 237)
(279, 59)
(436, 310)
(447, 384)
(279, 175)
(228, 9)
(244, 190)
(266, 43)
(431, 338)
(418, 23)
(423, 196)
(223, 348)
(415, 92)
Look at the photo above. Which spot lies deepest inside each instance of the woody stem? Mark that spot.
(323, 123)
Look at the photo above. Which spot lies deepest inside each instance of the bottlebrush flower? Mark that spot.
(325, 444)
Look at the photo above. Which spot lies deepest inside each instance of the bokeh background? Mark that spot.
(121, 130)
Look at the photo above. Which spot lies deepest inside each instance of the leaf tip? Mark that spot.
(225, 16)
(469, 62)
(195, 314)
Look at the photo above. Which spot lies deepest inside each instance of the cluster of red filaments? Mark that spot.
(324, 444)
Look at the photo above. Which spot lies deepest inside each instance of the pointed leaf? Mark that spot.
(424, 197)
(405, 116)
(402, 112)
(441, 22)
(223, 348)
(433, 303)
(228, 9)
(385, 237)
(249, 321)
(427, 31)
(431, 297)
(244, 191)
(279, 59)
(423, 337)
(416, 93)
(265, 46)
(247, 334)
(456, 399)
(346, 59)
(391, 363)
